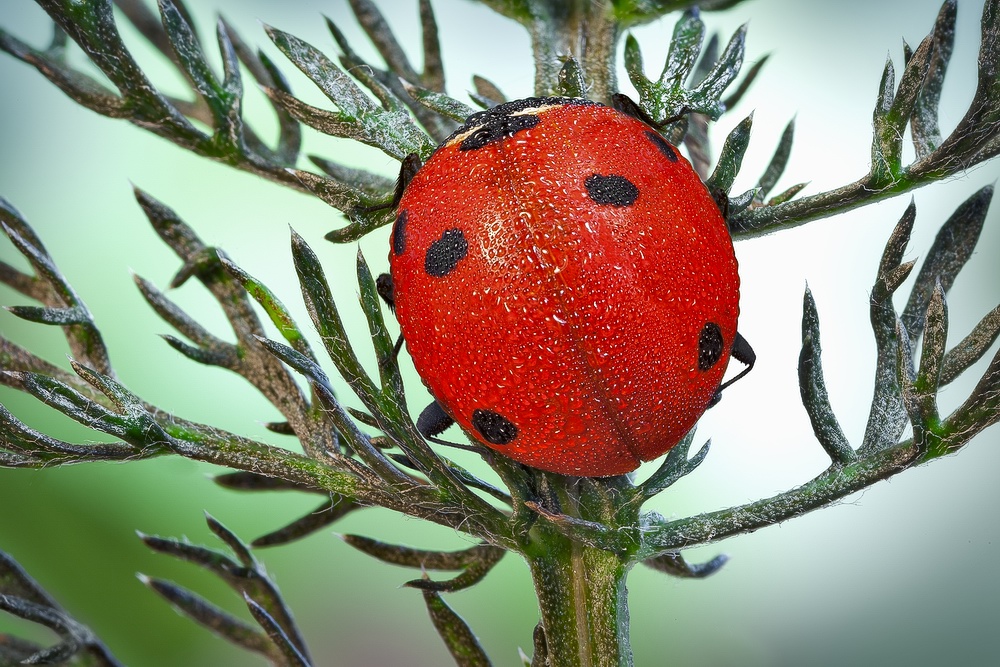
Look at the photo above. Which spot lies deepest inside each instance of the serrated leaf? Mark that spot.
(685, 45)
(394, 132)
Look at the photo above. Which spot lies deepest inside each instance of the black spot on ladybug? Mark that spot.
(506, 120)
(444, 254)
(497, 127)
(612, 189)
(495, 429)
(710, 346)
(662, 145)
(399, 233)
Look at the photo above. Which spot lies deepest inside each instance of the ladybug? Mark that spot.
(565, 284)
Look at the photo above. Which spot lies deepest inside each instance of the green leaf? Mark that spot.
(293, 657)
(212, 617)
(887, 418)
(330, 511)
(731, 157)
(487, 93)
(23, 597)
(392, 131)
(674, 466)
(980, 411)
(813, 388)
(62, 317)
(667, 97)
(685, 45)
(892, 112)
(972, 348)
(275, 309)
(359, 442)
(440, 103)
(924, 120)
(776, 167)
(323, 311)
(475, 572)
(341, 196)
(246, 577)
(421, 558)
(457, 636)
(174, 316)
(674, 564)
(709, 92)
(81, 88)
(63, 306)
(952, 248)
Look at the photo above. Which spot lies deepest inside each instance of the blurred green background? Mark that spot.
(904, 573)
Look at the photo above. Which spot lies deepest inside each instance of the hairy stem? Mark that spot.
(581, 591)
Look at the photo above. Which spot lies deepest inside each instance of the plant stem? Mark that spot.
(584, 606)
(581, 594)
(581, 28)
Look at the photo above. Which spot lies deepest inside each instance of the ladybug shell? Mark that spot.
(566, 285)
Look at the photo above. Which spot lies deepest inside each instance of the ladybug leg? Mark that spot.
(743, 353)
(383, 285)
(629, 107)
(721, 198)
(407, 170)
(433, 421)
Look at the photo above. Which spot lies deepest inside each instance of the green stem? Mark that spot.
(760, 220)
(584, 29)
(581, 594)
(584, 604)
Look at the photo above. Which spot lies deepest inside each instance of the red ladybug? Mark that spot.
(566, 286)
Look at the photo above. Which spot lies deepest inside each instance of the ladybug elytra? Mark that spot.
(566, 286)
